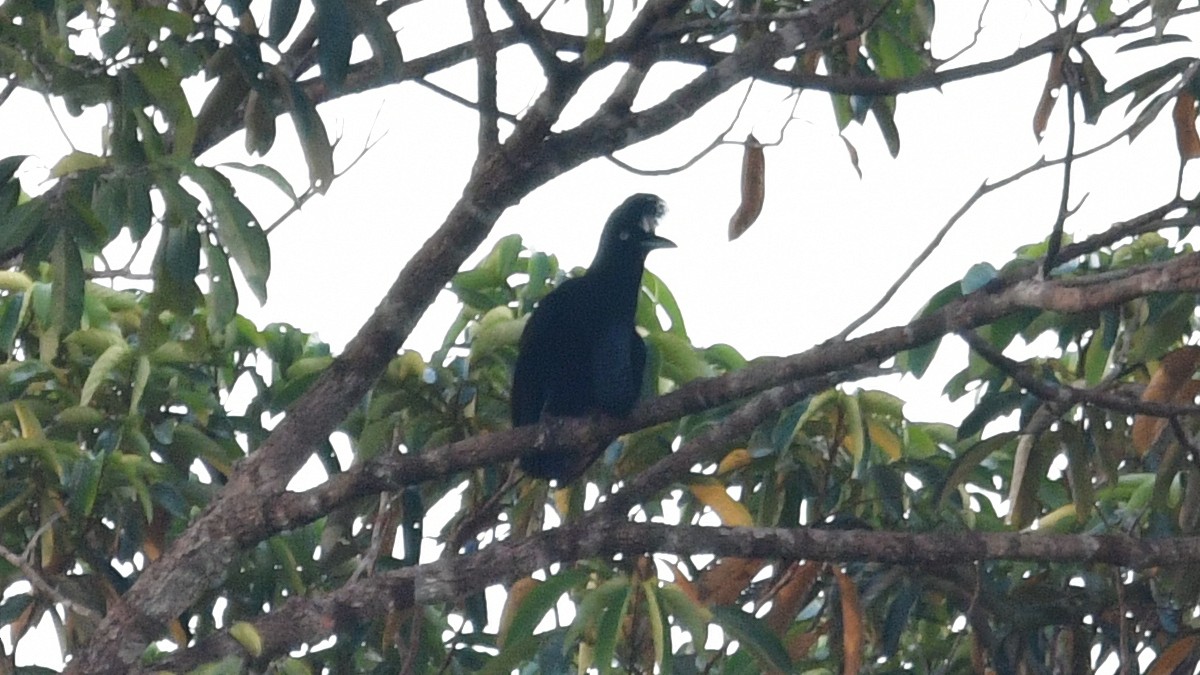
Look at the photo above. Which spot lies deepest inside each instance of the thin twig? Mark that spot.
(58, 122)
(31, 575)
(1056, 392)
(462, 100)
(716, 142)
(979, 193)
(1069, 75)
(485, 64)
(309, 193)
(974, 38)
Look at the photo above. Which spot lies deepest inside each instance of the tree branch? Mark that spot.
(485, 63)
(311, 619)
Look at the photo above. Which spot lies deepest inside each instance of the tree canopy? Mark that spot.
(776, 514)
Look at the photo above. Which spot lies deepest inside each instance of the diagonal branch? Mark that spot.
(533, 35)
(820, 367)
(485, 64)
(1064, 396)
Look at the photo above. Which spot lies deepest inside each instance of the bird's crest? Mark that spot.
(650, 218)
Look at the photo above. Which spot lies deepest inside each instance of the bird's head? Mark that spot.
(632, 225)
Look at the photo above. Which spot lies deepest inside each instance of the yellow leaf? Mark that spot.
(31, 428)
(248, 637)
(886, 439)
(735, 460)
(75, 162)
(714, 496)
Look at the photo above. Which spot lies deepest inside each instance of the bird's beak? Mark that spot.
(654, 241)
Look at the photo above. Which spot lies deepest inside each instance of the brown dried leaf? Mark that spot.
(1054, 80)
(1171, 383)
(1175, 655)
(848, 30)
(685, 584)
(753, 188)
(797, 581)
(1184, 115)
(722, 582)
(852, 623)
(807, 64)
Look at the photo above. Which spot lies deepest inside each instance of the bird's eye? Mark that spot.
(624, 235)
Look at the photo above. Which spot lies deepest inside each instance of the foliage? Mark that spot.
(148, 432)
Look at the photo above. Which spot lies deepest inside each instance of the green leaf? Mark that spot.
(154, 18)
(175, 265)
(896, 619)
(884, 107)
(76, 162)
(314, 140)
(1144, 85)
(1153, 41)
(139, 211)
(237, 230)
(542, 598)
(994, 404)
(269, 173)
(222, 297)
(681, 362)
(83, 484)
(335, 37)
(140, 378)
(9, 166)
(609, 629)
(691, 614)
(1093, 92)
(66, 292)
(19, 224)
(755, 635)
(597, 23)
(1101, 11)
(164, 89)
(977, 277)
(657, 292)
(110, 359)
(916, 360)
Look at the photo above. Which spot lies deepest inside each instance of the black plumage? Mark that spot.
(580, 353)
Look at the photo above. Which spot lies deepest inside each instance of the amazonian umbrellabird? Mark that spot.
(580, 353)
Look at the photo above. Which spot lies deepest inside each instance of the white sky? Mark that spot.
(825, 248)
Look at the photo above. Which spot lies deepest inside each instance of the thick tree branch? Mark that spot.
(311, 619)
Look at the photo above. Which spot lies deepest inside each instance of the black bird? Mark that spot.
(580, 353)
